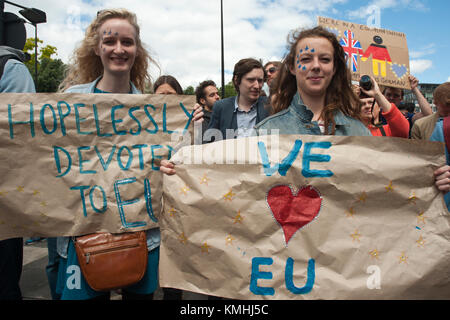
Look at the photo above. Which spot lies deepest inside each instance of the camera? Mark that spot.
(365, 82)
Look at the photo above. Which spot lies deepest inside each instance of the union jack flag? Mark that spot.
(352, 49)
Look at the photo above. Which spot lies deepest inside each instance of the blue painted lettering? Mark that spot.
(11, 122)
(78, 120)
(285, 164)
(81, 161)
(308, 158)
(42, 119)
(62, 115)
(121, 203)
(114, 120)
(257, 274)
(58, 162)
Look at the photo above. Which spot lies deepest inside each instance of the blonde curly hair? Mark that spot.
(86, 65)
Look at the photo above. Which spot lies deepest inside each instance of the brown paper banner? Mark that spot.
(338, 218)
(378, 52)
(74, 164)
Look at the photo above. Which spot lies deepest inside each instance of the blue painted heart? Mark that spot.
(293, 211)
(399, 70)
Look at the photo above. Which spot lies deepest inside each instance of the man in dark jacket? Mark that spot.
(236, 117)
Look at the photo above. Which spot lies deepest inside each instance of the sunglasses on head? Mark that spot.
(271, 70)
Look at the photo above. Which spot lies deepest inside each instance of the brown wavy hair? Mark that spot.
(86, 66)
(339, 94)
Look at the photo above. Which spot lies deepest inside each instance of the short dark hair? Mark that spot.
(200, 90)
(244, 66)
(171, 81)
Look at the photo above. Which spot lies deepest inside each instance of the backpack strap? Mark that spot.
(446, 129)
(4, 59)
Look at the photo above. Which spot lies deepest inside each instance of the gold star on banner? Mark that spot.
(20, 188)
(421, 218)
(43, 203)
(185, 190)
(390, 187)
(182, 238)
(374, 253)
(229, 239)
(420, 242)
(36, 192)
(172, 211)
(204, 180)
(350, 212)
(3, 193)
(355, 235)
(238, 218)
(403, 258)
(205, 247)
(412, 199)
(362, 197)
(43, 214)
(229, 195)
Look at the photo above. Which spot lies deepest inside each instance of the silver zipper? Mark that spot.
(87, 257)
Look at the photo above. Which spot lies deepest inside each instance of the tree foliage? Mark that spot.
(50, 71)
(189, 90)
(230, 91)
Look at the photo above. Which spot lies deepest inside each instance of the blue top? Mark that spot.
(297, 119)
(16, 78)
(153, 235)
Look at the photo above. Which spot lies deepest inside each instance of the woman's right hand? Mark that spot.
(167, 167)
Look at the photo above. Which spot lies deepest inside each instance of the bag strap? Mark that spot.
(446, 129)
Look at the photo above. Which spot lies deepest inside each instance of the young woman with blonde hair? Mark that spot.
(110, 59)
(89, 62)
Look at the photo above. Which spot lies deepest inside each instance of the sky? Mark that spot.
(184, 36)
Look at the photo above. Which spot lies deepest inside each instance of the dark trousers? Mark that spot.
(11, 259)
(52, 268)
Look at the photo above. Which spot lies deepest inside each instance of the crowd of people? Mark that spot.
(309, 92)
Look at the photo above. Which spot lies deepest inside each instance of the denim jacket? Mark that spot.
(296, 119)
(153, 235)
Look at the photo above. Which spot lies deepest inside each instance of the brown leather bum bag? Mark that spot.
(111, 261)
